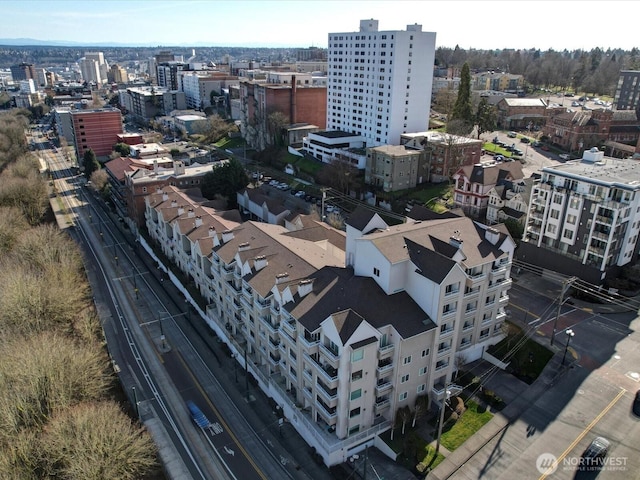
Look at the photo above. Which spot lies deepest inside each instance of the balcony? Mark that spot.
(383, 385)
(275, 342)
(444, 349)
(308, 374)
(470, 292)
(382, 404)
(452, 292)
(385, 350)
(449, 313)
(246, 303)
(503, 300)
(329, 354)
(310, 341)
(274, 358)
(384, 366)
(446, 331)
(330, 395)
(329, 413)
(467, 326)
(289, 327)
(604, 220)
(326, 372)
(266, 321)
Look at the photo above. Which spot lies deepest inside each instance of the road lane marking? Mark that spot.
(584, 432)
(220, 418)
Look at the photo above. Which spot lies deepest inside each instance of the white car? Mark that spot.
(564, 156)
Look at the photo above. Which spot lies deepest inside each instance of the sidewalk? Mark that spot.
(549, 376)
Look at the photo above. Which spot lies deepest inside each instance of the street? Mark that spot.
(589, 395)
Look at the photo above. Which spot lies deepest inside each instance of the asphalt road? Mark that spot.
(591, 396)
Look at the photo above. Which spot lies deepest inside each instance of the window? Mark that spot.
(356, 375)
(356, 394)
(403, 396)
(406, 360)
(354, 413)
(376, 272)
(421, 388)
(405, 378)
(422, 371)
(571, 219)
(555, 214)
(425, 352)
(357, 355)
(568, 234)
(355, 429)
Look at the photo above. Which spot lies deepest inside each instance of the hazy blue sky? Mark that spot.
(301, 23)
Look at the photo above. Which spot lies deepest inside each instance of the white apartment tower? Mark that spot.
(379, 82)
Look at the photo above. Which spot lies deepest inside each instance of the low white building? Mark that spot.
(328, 146)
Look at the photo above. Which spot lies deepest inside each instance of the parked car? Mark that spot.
(564, 156)
(525, 140)
(593, 456)
(636, 404)
(512, 134)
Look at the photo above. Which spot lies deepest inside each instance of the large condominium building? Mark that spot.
(380, 82)
(583, 218)
(343, 330)
(627, 96)
(23, 71)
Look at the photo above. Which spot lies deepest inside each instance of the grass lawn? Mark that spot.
(528, 360)
(473, 418)
(227, 142)
(304, 164)
(420, 452)
(431, 191)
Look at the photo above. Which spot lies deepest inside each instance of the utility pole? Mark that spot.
(444, 402)
(565, 286)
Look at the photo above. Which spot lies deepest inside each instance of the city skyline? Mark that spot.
(260, 23)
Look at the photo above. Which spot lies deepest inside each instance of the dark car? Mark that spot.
(524, 140)
(593, 456)
(636, 404)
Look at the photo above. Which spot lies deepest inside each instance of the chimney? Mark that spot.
(165, 197)
(191, 213)
(159, 190)
(212, 232)
(281, 277)
(491, 235)
(455, 240)
(294, 100)
(244, 246)
(227, 236)
(259, 262)
(181, 210)
(174, 203)
(178, 167)
(305, 287)
(198, 221)
(155, 166)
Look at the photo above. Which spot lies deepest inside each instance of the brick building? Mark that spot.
(97, 130)
(298, 104)
(520, 113)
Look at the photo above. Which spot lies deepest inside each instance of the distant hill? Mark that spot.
(32, 42)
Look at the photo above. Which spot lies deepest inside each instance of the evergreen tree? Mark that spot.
(90, 163)
(485, 117)
(225, 181)
(462, 110)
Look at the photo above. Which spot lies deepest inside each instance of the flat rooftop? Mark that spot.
(610, 171)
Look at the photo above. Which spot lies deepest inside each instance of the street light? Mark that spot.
(570, 334)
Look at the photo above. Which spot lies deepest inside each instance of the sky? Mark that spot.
(478, 24)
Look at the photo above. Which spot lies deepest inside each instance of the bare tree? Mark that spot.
(96, 440)
(405, 415)
(420, 408)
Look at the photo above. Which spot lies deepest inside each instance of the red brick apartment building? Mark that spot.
(299, 104)
(97, 130)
